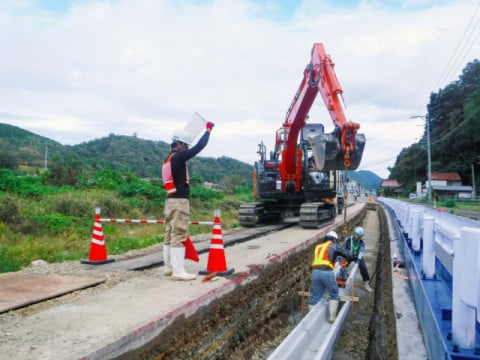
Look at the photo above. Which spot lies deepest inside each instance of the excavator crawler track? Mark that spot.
(250, 215)
(315, 215)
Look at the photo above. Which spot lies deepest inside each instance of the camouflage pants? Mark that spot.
(177, 221)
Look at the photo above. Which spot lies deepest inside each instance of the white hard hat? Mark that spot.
(331, 235)
(182, 136)
(359, 231)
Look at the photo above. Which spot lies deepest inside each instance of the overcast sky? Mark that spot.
(79, 70)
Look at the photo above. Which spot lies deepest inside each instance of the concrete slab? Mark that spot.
(18, 290)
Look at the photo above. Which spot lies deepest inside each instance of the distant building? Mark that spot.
(449, 185)
(390, 184)
(390, 187)
(211, 185)
(354, 188)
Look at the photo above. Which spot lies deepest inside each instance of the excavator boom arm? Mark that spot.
(319, 77)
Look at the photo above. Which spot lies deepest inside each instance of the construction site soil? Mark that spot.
(251, 321)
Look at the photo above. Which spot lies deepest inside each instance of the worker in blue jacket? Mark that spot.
(354, 243)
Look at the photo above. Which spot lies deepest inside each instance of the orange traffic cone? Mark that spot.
(98, 252)
(216, 256)
(190, 251)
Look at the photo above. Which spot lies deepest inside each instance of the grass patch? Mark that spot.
(56, 226)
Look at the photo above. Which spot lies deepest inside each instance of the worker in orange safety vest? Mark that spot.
(177, 206)
(323, 276)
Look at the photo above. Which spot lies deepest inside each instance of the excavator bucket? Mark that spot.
(328, 152)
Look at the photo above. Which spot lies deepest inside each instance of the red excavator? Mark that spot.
(303, 175)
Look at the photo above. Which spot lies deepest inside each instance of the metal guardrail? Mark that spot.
(437, 245)
(443, 257)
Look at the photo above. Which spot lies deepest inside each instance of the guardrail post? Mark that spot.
(416, 231)
(409, 224)
(428, 259)
(404, 211)
(466, 293)
(399, 210)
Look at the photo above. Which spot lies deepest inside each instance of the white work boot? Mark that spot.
(166, 260)
(177, 257)
(332, 310)
(367, 286)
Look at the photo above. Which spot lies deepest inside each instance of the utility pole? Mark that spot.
(429, 155)
(429, 161)
(473, 183)
(46, 157)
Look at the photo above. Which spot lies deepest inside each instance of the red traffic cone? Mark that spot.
(216, 256)
(98, 252)
(190, 251)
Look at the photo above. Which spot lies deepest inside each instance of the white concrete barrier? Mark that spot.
(465, 295)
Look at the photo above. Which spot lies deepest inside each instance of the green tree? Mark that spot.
(454, 115)
(196, 180)
(230, 183)
(7, 160)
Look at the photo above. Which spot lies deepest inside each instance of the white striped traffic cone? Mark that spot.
(216, 256)
(98, 251)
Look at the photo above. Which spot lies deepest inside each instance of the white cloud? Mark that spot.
(144, 67)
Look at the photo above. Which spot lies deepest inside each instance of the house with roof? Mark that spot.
(390, 186)
(449, 185)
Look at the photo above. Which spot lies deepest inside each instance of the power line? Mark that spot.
(461, 60)
(468, 39)
(450, 69)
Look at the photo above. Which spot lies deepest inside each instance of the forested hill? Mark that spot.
(145, 157)
(454, 117)
(20, 147)
(368, 179)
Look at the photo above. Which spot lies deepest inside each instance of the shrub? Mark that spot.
(450, 203)
(28, 186)
(154, 192)
(72, 205)
(8, 180)
(204, 193)
(29, 226)
(112, 207)
(9, 210)
(55, 223)
(108, 179)
(10, 258)
(60, 175)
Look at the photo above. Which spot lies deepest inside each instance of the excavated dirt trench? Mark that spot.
(251, 321)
